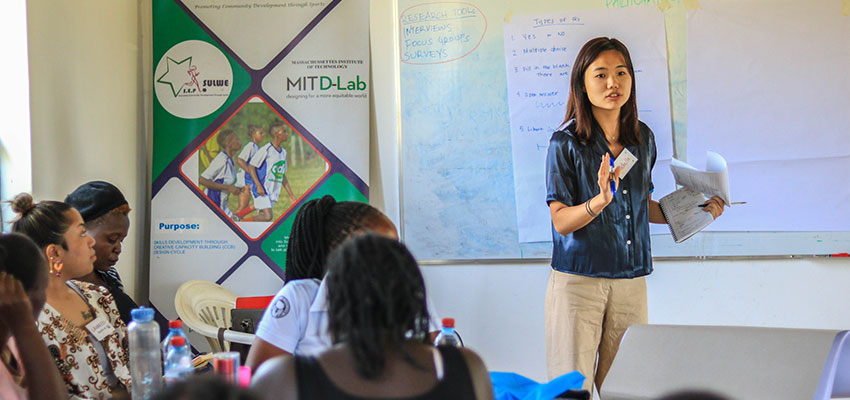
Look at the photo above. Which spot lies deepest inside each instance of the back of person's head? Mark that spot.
(200, 387)
(22, 259)
(376, 299)
(96, 200)
(321, 225)
(44, 222)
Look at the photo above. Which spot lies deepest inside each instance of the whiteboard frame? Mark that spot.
(523, 261)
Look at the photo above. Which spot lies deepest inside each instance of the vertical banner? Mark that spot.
(258, 106)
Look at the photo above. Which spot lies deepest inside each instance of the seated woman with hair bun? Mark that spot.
(104, 211)
(79, 322)
(378, 321)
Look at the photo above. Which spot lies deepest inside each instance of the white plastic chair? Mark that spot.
(834, 380)
(205, 308)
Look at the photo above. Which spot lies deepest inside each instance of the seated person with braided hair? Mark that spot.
(105, 212)
(378, 322)
(296, 320)
(27, 370)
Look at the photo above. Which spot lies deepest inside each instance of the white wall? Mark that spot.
(86, 107)
(499, 308)
(15, 147)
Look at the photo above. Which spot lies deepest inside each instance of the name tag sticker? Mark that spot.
(625, 161)
(100, 328)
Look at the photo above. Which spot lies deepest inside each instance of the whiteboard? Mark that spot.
(457, 184)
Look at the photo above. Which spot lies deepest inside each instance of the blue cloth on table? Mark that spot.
(511, 386)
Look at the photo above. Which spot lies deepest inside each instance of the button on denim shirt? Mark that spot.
(616, 243)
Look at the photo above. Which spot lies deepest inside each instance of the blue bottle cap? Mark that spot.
(142, 314)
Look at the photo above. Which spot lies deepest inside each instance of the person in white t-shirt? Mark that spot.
(268, 169)
(220, 176)
(296, 321)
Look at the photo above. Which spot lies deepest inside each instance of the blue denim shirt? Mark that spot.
(616, 243)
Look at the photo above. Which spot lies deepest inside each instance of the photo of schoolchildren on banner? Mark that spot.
(255, 167)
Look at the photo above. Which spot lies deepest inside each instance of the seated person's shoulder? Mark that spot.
(298, 292)
(478, 374)
(471, 358)
(285, 318)
(303, 284)
(275, 378)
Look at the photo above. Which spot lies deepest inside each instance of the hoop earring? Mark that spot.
(56, 268)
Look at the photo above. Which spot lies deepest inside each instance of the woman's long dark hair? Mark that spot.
(320, 225)
(376, 300)
(578, 104)
(44, 222)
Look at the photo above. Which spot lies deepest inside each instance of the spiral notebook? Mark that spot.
(683, 213)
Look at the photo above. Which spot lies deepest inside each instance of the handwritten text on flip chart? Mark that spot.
(433, 33)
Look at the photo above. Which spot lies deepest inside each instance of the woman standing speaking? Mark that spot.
(600, 222)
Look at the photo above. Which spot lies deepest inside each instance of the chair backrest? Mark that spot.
(205, 307)
(737, 362)
(835, 379)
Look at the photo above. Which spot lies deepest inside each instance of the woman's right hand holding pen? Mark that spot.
(604, 179)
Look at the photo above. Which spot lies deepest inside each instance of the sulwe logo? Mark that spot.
(193, 79)
(177, 70)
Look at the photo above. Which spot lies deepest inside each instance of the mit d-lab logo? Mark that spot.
(193, 79)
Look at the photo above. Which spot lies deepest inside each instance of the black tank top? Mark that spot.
(313, 383)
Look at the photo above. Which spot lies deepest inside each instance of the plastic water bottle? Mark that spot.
(178, 363)
(145, 366)
(447, 335)
(175, 328)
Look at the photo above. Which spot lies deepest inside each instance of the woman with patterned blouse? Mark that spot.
(79, 323)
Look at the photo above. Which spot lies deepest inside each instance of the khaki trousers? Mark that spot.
(587, 316)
